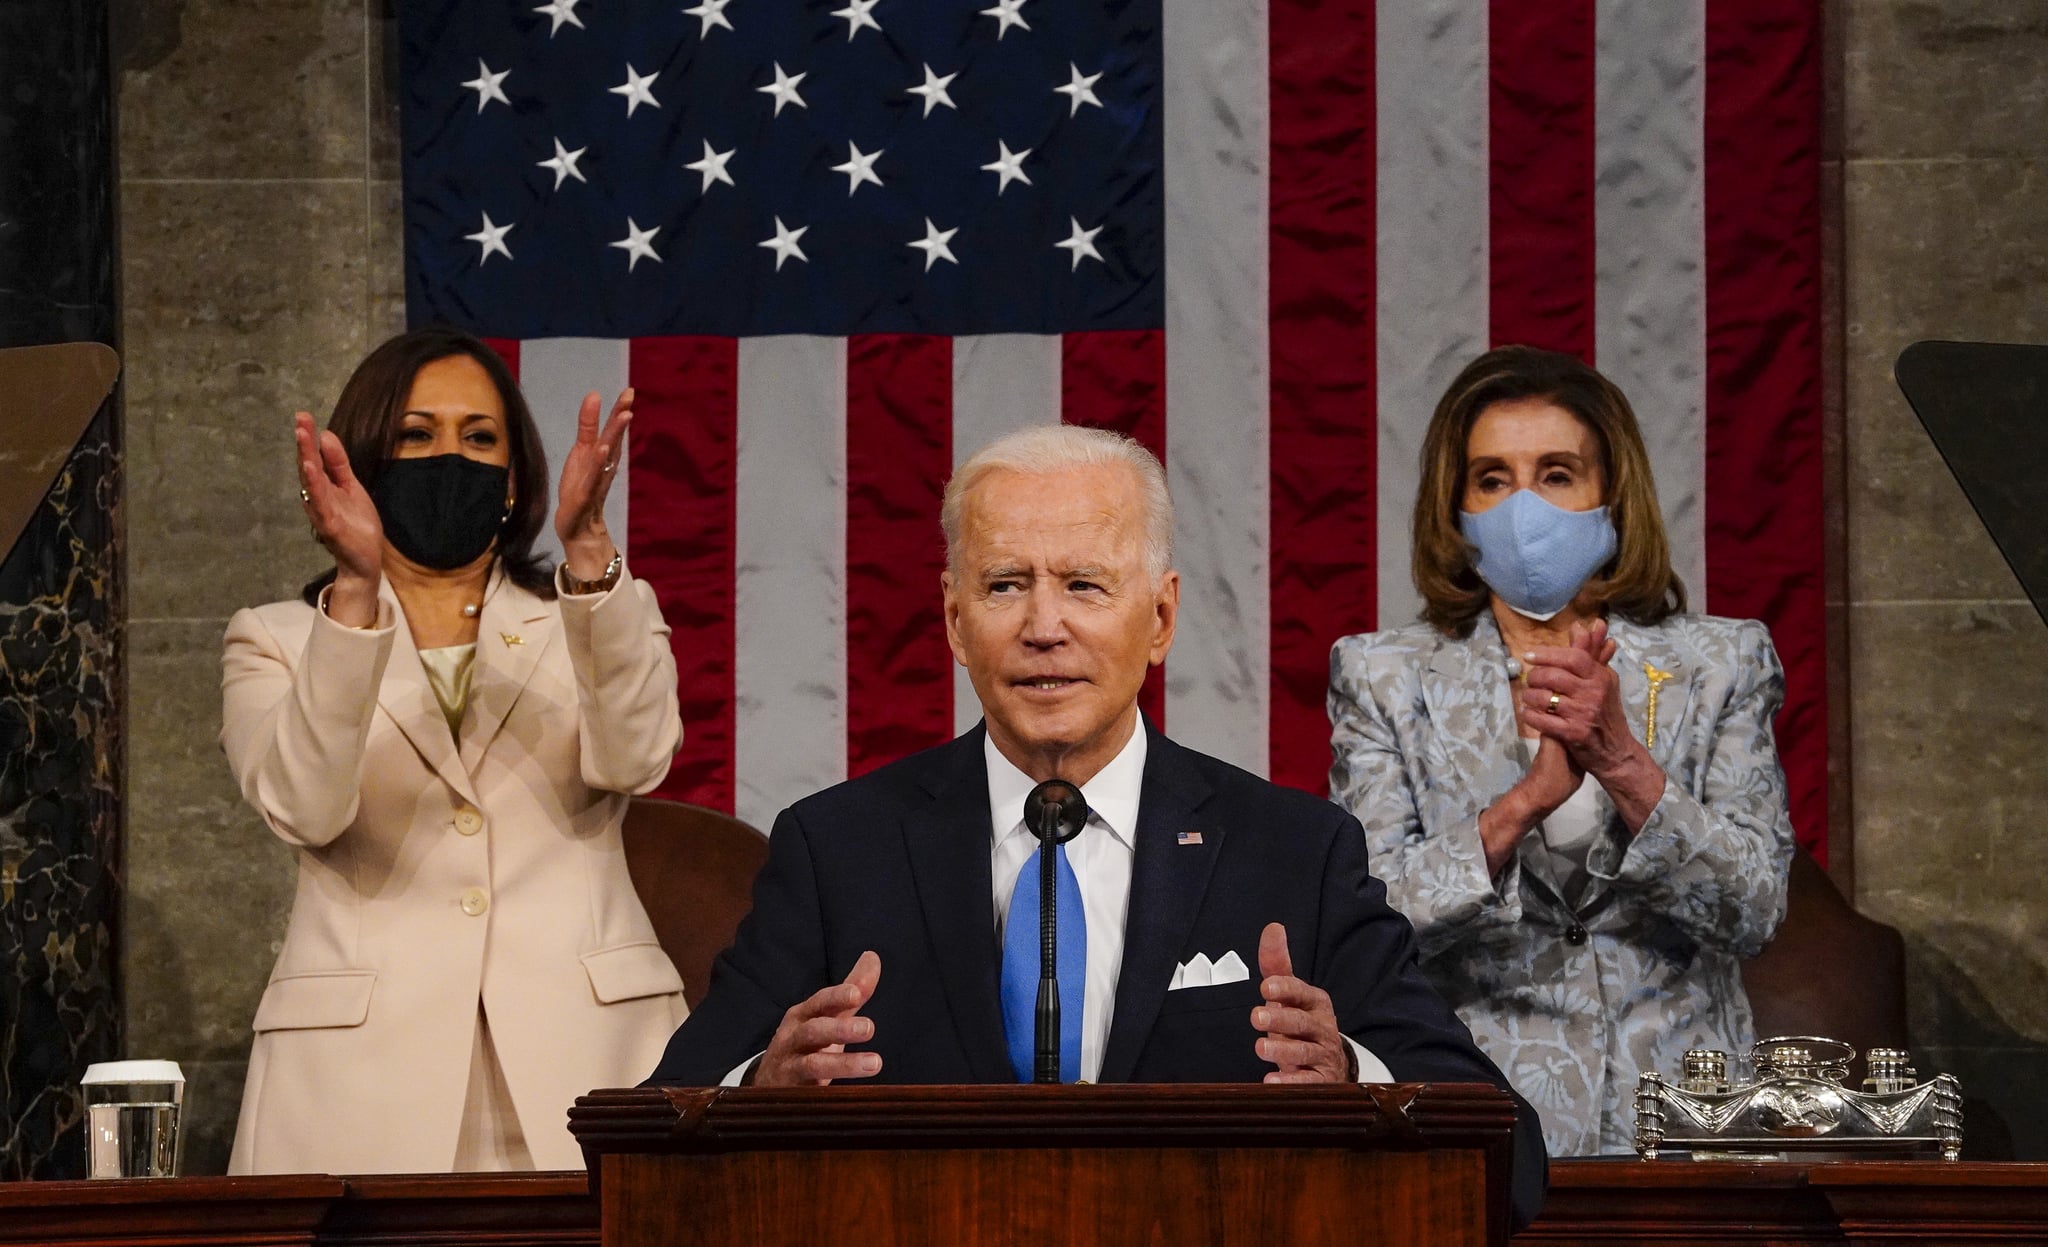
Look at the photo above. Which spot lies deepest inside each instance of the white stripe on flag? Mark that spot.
(555, 374)
(1650, 282)
(789, 548)
(1433, 264)
(1001, 382)
(1217, 375)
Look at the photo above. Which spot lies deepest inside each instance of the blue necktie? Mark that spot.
(1020, 967)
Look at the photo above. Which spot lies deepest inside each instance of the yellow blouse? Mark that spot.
(448, 674)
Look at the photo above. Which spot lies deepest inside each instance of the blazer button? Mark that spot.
(469, 820)
(474, 902)
(1575, 935)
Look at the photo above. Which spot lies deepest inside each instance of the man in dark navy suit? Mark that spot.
(1213, 927)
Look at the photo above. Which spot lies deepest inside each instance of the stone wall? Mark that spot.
(260, 200)
(1944, 180)
(258, 163)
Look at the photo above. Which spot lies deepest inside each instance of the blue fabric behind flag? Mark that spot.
(1099, 166)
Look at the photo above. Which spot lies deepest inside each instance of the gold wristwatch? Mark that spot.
(603, 584)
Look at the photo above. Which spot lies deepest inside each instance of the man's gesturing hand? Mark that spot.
(1300, 1024)
(809, 1048)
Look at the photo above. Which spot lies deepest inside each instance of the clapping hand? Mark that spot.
(1300, 1023)
(587, 475)
(809, 1048)
(344, 520)
(1573, 698)
(1572, 695)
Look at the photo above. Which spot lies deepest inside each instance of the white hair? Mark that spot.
(1046, 448)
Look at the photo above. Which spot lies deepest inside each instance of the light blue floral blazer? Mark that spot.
(1575, 1000)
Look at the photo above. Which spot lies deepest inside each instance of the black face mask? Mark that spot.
(444, 511)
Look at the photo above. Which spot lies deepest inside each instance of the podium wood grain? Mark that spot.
(1592, 1204)
(974, 1166)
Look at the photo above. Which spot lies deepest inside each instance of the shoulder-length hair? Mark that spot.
(371, 411)
(1637, 583)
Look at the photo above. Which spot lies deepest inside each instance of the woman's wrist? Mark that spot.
(1502, 826)
(351, 600)
(589, 558)
(1635, 784)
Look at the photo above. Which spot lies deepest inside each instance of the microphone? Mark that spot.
(1055, 813)
(1060, 801)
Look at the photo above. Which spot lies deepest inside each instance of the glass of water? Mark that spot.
(131, 1119)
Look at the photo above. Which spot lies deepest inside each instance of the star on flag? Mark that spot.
(1081, 244)
(487, 85)
(638, 244)
(635, 89)
(492, 236)
(934, 244)
(784, 243)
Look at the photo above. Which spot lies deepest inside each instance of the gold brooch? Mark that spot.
(512, 638)
(1657, 681)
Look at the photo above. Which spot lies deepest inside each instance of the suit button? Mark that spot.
(469, 820)
(1575, 935)
(474, 902)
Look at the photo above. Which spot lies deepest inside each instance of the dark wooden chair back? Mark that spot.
(694, 870)
(1829, 971)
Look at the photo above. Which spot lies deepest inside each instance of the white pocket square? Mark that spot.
(1199, 971)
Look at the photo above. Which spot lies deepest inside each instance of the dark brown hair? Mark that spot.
(1637, 583)
(371, 410)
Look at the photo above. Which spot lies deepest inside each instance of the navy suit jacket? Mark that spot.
(899, 861)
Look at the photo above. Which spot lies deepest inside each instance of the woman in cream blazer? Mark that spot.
(466, 954)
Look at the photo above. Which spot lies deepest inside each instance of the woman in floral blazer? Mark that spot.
(1568, 784)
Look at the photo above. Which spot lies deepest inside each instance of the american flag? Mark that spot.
(838, 245)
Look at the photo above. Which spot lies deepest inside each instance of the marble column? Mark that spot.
(61, 609)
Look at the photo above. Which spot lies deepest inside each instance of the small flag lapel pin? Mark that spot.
(1189, 837)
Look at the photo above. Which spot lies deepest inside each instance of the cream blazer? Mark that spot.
(432, 877)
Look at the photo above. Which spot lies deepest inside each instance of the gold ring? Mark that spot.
(1554, 699)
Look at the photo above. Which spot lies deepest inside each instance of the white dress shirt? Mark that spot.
(1571, 831)
(1101, 857)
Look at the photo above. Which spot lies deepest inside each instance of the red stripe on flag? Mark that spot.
(1117, 380)
(508, 350)
(1764, 524)
(1540, 148)
(899, 452)
(1324, 579)
(681, 523)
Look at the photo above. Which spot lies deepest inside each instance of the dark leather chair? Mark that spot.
(694, 869)
(1829, 971)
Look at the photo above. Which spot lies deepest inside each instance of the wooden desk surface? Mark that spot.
(1592, 1203)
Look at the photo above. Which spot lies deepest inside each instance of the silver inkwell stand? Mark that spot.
(1799, 1107)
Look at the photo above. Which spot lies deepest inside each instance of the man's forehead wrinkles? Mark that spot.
(1085, 571)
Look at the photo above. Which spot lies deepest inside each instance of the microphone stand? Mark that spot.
(1046, 1056)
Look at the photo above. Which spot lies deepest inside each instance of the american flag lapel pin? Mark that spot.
(1188, 837)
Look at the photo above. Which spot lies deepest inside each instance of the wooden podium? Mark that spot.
(1392, 1165)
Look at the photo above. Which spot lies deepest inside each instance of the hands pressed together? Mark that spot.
(1298, 1022)
(1572, 697)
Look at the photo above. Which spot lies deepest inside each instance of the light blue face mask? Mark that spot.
(1536, 555)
